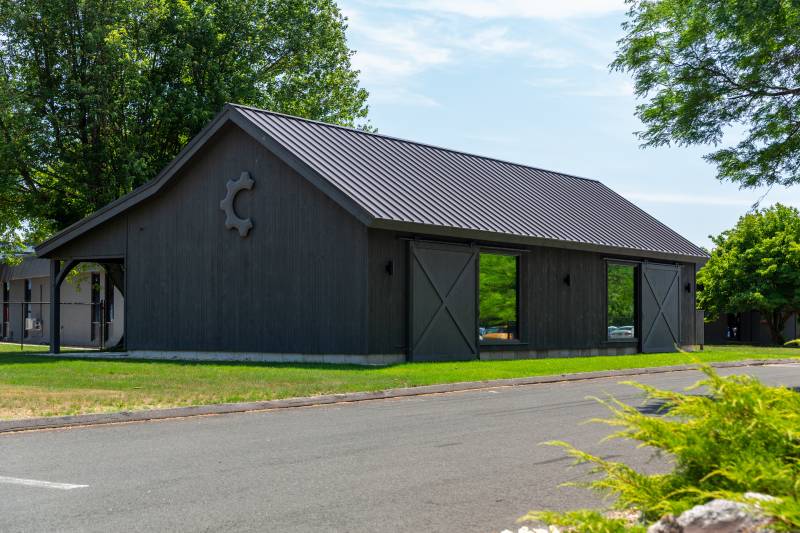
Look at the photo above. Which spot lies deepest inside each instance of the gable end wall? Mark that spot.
(295, 284)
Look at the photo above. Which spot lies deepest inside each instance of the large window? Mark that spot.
(621, 302)
(499, 275)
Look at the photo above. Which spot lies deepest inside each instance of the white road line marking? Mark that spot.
(42, 484)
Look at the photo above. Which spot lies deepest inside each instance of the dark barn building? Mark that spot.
(276, 238)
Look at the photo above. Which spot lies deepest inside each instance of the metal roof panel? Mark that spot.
(397, 180)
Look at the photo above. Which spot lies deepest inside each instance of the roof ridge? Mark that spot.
(409, 141)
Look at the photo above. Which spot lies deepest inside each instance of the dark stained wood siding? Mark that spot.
(387, 293)
(296, 284)
(553, 315)
(107, 242)
(558, 315)
(688, 305)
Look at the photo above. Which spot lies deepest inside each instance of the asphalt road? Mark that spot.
(462, 462)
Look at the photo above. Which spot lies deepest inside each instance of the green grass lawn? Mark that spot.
(31, 385)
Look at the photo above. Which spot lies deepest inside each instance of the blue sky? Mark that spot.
(528, 81)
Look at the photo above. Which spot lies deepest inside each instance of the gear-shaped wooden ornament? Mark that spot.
(232, 220)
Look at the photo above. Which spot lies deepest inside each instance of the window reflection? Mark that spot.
(498, 298)
(621, 302)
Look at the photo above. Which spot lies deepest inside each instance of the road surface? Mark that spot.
(465, 462)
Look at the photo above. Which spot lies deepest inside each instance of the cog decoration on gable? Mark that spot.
(232, 220)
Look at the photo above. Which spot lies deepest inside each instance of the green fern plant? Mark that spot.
(741, 436)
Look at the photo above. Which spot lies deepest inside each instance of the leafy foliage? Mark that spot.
(709, 66)
(498, 289)
(742, 436)
(621, 286)
(97, 96)
(755, 265)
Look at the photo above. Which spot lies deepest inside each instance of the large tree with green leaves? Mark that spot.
(707, 68)
(96, 96)
(755, 266)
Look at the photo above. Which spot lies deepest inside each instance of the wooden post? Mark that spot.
(55, 306)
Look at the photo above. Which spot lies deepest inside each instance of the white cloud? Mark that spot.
(493, 40)
(392, 55)
(394, 51)
(624, 88)
(395, 48)
(401, 96)
(693, 199)
(574, 87)
(743, 198)
(550, 82)
(539, 9)
(498, 41)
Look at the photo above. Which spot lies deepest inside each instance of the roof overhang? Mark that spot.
(523, 240)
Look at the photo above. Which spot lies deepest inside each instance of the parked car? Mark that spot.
(621, 332)
(497, 333)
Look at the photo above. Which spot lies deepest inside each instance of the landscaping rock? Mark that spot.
(716, 516)
(668, 524)
(526, 529)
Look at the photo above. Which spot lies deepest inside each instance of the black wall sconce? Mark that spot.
(390, 267)
(688, 287)
(567, 280)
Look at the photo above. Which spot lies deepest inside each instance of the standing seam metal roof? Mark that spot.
(396, 180)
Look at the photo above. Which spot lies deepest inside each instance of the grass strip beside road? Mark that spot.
(33, 386)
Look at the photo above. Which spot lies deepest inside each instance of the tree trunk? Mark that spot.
(776, 320)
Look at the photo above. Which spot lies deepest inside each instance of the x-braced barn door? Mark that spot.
(443, 307)
(661, 307)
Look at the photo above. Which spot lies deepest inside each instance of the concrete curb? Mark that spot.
(11, 426)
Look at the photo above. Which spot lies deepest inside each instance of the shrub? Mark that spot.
(795, 343)
(741, 436)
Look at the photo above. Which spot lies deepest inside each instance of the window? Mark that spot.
(621, 302)
(95, 306)
(497, 298)
(28, 306)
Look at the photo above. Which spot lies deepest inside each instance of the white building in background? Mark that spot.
(92, 309)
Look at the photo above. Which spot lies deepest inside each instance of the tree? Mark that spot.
(96, 96)
(712, 67)
(755, 266)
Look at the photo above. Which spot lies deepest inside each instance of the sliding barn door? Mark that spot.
(661, 307)
(443, 306)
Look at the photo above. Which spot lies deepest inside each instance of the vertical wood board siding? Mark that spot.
(296, 284)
